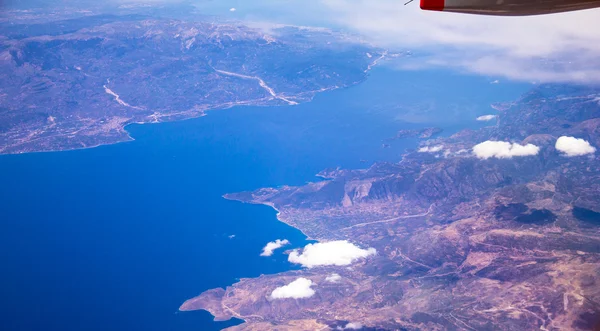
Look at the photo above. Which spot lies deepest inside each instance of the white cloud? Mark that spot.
(232, 9)
(273, 245)
(351, 326)
(333, 278)
(503, 149)
(558, 47)
(486, 117)
(431, 149)
(298, 289)
(340, 252)
(572, 146)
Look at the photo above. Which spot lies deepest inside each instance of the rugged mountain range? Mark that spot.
(463, 243)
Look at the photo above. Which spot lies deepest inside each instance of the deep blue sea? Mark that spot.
(117, 237)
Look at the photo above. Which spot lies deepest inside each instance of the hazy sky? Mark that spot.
(558, 47)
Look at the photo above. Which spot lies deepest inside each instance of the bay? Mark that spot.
(117, 237)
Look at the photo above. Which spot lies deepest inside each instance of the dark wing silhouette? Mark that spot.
(509, 7)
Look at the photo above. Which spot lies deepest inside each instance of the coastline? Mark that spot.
(218, 312)
(279, 218)
(297, 99)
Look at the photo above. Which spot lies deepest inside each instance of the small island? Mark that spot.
(425, 133)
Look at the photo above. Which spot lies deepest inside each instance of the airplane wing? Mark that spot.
(508, 7)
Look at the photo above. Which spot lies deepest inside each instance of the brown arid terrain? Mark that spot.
(463, 243)
(77, 83)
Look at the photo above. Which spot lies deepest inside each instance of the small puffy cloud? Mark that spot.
(351, 326)
(485, 118)
(339, 252)
(503, 150)
(273, 245)
(232, 9)
(431, 149)
(333, 278)
(298, 289)
(572, 146)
